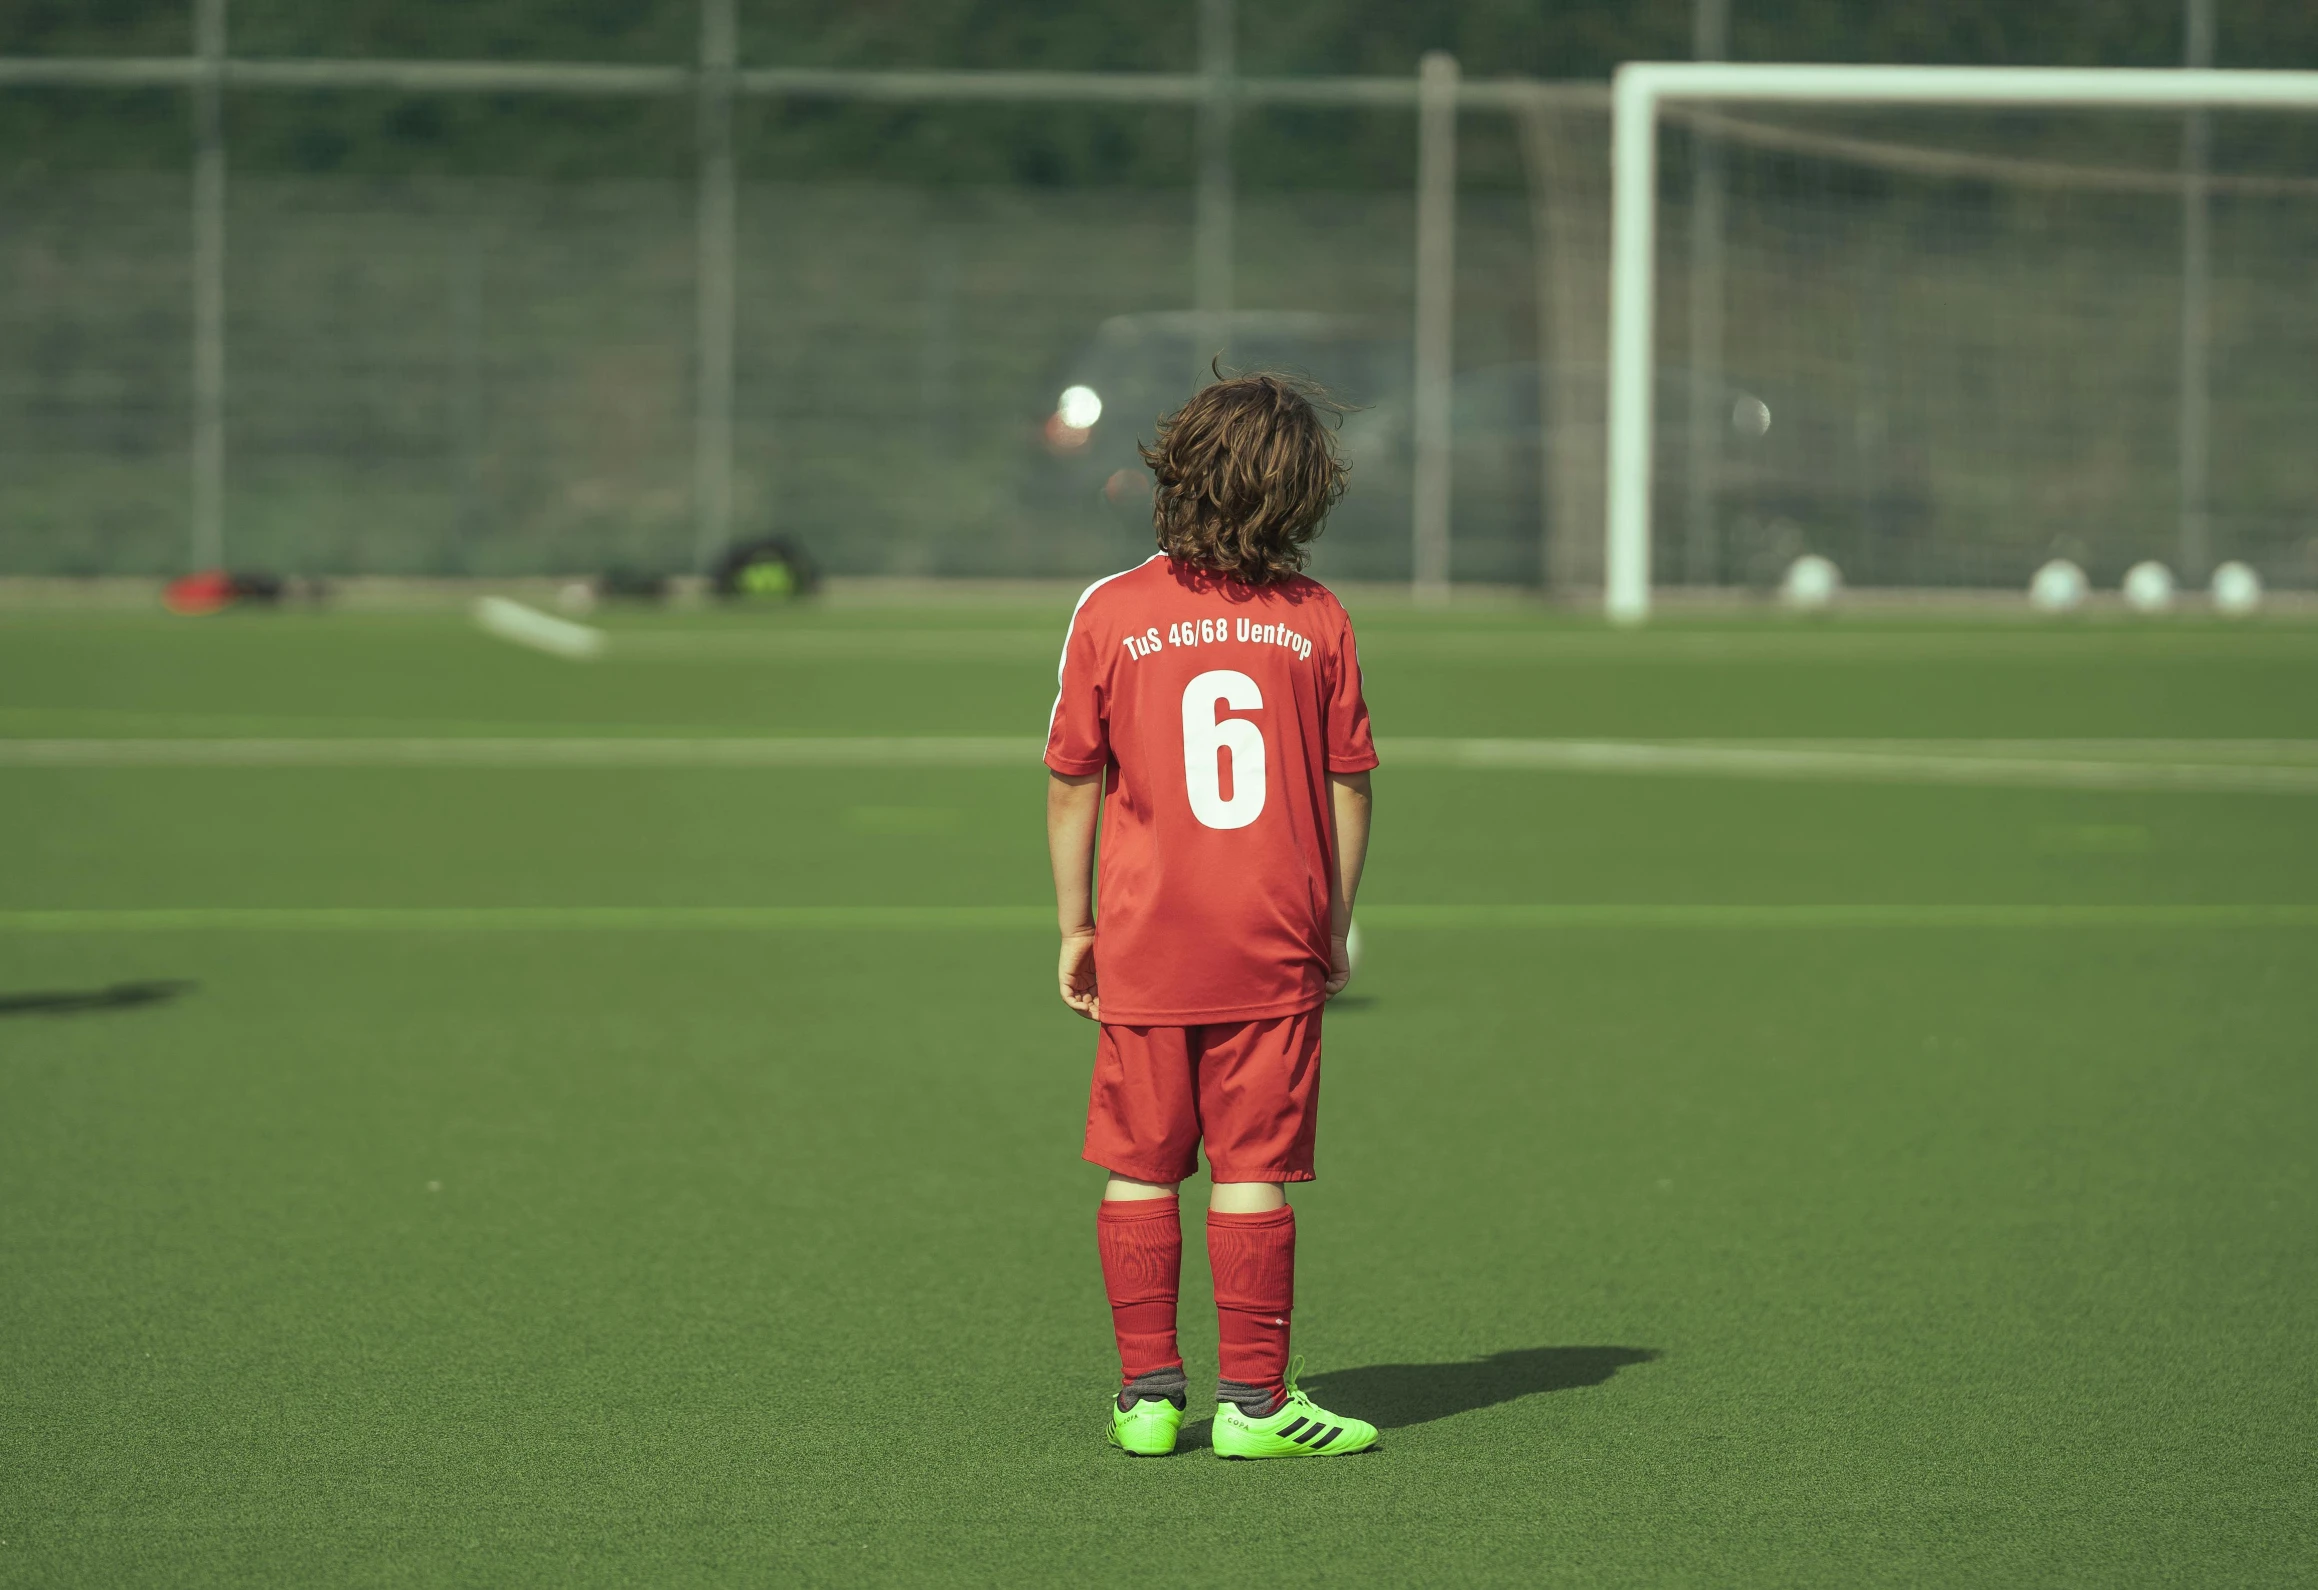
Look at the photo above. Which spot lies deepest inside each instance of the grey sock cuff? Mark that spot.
(1254, 1401)
(1169, 1385)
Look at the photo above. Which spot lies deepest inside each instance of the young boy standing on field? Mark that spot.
(1216, 691)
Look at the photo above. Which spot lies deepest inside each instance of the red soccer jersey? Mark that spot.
(1219, 709)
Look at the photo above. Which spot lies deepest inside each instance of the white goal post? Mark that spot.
(1643, 87)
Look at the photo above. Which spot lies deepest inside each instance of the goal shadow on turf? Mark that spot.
(83, 1001)
(1395, 1396)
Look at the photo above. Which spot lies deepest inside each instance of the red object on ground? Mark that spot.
(205, 592)
(1141, 1242)
(1254, 1258)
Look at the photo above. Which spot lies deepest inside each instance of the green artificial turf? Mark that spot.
(1711, 1249)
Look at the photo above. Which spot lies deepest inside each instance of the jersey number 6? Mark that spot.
(1204, 734)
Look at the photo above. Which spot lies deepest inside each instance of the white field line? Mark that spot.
(545, 752)
(1036, 918)
(528, 626)
(904, 645)
(1842, 763)
(2227, 766)
(2059, 644)
(528, 919)
(2281, 753)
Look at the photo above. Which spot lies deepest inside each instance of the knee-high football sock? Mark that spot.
(1141, 1241)
(1254, 1257)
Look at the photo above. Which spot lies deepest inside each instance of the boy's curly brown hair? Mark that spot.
(1246, 471)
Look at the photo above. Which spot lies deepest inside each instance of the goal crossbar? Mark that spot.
(1639, 93)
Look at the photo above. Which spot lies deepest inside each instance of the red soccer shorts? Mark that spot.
(1250, 1089)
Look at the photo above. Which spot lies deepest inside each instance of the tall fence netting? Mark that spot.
(494, 375)
(1937, 347)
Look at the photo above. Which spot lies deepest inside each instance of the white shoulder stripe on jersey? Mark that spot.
(1063, 663)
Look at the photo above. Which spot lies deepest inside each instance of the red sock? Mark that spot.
(1141, 1241)
(1254, 1257)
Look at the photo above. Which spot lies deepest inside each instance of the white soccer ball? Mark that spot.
(1352, 945)
(2058, 587)
(2149, 586)
(1812, 582)
(2236, 588)
(578, 596)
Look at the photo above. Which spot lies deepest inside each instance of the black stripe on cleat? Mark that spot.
(1310, 1431)
(1290, 1431)
(1334, 1431)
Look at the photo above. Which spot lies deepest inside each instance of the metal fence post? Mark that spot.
(713, 350)
(1702, 549)
(1536, 143)
(938, 351)
(2196, 402)
(1436, 324)
(207, 546)
(1212, 242)
(466, 376)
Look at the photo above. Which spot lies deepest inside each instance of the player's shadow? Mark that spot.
(85, 1001)
(1394, 1396)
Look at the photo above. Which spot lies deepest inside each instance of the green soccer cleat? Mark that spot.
(1147, 1429)
(1297, 1428)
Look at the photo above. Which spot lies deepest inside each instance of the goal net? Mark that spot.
(1942, 343)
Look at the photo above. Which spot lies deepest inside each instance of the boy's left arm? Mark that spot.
(1350, 800)
(1073, 801)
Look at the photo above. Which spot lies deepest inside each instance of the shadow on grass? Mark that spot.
(83, 1001)
(1395, 1396)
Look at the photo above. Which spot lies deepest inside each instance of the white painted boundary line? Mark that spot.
(528, 626)
(2246, 767)
(2274, 753)
(552, 752)
(2057, 644)
(529, 919)
(1846, 765)
(773, 645)
(1838, 916)
(1037, 918)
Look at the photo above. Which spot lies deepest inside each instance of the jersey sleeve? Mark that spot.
(1351, 747)
(1078, 739)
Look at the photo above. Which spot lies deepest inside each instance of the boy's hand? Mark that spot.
(1339, 963)
(1078, 974)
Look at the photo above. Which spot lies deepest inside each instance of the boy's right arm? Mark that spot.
(1351, 800)
(1072, 803)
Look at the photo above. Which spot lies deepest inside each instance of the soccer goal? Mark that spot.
(1939, 326)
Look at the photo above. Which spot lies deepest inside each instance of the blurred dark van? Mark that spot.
(1790, 473)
